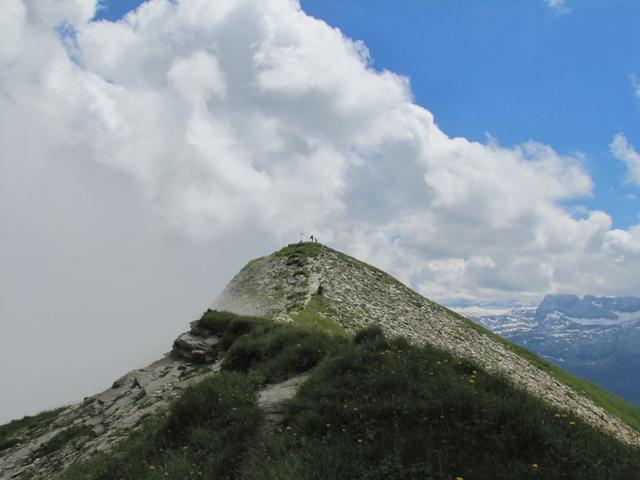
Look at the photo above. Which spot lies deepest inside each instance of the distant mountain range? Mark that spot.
(597, 338)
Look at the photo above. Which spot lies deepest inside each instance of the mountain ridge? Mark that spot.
(313, 286)
(367, 295)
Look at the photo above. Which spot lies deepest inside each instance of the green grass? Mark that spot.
(12, 432)
(218, 323)
(372, 408)
(314, 315)
(303, 249)
(275, 351)
(380, 408)
(610, 402)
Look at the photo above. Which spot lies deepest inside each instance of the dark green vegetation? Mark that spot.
(298, 251)
(12, 433)
(373, 408)
(228, 326)
(273, 352)
(622, 409)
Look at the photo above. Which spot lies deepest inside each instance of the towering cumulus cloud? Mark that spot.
(236, 115)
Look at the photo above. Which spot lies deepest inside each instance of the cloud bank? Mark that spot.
(635, 84)
(622, 150)
(249, 117)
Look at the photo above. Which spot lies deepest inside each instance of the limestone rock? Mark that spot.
(196, 348)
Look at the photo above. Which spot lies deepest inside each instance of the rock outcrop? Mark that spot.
(99, 422)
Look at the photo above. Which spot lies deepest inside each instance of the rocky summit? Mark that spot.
(310, 285)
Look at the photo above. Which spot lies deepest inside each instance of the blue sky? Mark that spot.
(513, 70)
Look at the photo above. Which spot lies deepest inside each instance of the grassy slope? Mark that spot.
(312, 316)
(624, 410)
(613, 404)
(373, 408)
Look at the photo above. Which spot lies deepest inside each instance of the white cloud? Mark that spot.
(236, 115)
(635, 83)
(559, 6)
(624, 151)
(52, 13)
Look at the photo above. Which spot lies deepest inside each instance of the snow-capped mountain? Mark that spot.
(597, 338)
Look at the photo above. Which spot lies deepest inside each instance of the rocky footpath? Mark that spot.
(354, 294)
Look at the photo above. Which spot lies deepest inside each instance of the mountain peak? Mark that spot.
(313, 284)
(307, 276)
